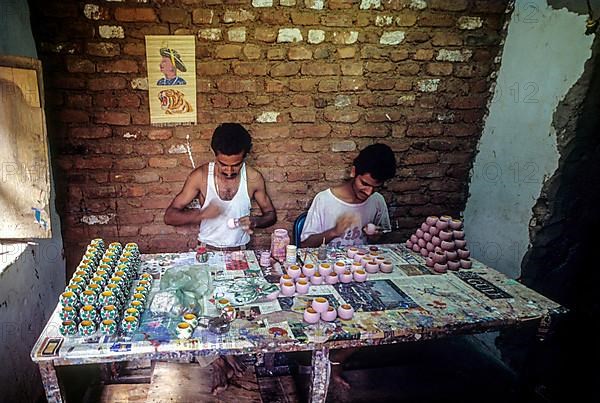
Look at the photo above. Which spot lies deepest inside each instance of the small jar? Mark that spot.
(279, 242)
(201, 254)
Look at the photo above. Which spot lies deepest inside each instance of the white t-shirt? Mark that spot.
(326, 208)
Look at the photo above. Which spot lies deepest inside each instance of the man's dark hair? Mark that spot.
(377, 160)
(230, 139)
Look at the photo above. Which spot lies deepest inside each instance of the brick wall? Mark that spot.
(313, 80)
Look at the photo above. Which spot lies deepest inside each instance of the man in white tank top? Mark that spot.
(224, 189)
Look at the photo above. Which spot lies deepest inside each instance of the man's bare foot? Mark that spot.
(221, 375)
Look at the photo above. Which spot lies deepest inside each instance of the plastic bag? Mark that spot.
(182, 289)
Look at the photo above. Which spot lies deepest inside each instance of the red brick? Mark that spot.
(439, 69)
(78, 65)
(130, 163)
(90, 132)
(448, 5)
(420, 158)
(250, 68)
(112, 118)
(352, 84)
(320, 69)
(93, 163)
(148, 148)
(134, 217)
(160, 134)
(304, 18)
(134, 49)
(304, 175)
(329, 86)
(284, 69)
(342, 115)
(118, 66)
(173, 15)
(174, 175)
(370, 131)
(135, 14)
(275, 86)
(270, 132)
(236, 86)
(381, 84)
(460, 130)
(303, 116)
(383, 116)
(169, 243)
(73, 116)
(469, 102)
(156, 202)
(428, 130)
(108, 83)
(302, 100)
(105, 49)
(162, 162)
(129, 101)
(302, 131)
(336, 20)
(203, 16)
(436, 20)
(288, 146)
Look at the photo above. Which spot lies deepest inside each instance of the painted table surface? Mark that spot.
(411, 303)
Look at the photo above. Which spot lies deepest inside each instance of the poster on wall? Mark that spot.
(171, 62)
(24, 163)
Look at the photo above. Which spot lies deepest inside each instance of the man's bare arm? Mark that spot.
(269, 216)
(341, 224)
(177, 214)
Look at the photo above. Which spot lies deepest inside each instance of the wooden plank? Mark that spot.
(175, 382)
(124, 393)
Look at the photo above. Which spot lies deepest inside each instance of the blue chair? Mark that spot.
(297, 229)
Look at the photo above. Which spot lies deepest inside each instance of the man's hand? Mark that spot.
(343, 222)
(247, 224)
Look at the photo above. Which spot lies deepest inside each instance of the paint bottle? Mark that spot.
(202, 254)
(279, 242)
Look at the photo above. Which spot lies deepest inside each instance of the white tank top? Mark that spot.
(214, 231)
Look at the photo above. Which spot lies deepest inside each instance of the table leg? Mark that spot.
(50, 381)
(319, 379)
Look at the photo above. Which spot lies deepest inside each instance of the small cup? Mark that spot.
(409, 244)
(460, 243)
(445, 218)
(439, 267)
(455, 224)
(372, 267)
(416, 248)
(87, 297)
(441, 225)
(431, 220)
(356, 266)
(68, 313)
(463, 253)
(386, 266)
(132, 312)
(345, 312)
(86, 328)
(286, 278)
(288, 288)
(427, 236)
(429, 262)
(466, 263)
(222, 303)
(316, 279)
(446, 235)
(351, 252)
(440, 257)
(433, 230)
(451, 255)
(88, 312)
(329, 315)
(108, 327)
(302, 286)
(448, 245)
(358, 256)
(422, 243)
(311, 315)
(332, 278)
(339, 267)
(320, 304)
(425, 227)
(109, 312)
(360, 275)
(346, 277)
(453, 265)
(325, 268)
(419, 233)
(129, 324)
(229, 312)
(294, 271)
(192, 319)
(309, 269)
(184, 330)
(68, 327)
(414, 239)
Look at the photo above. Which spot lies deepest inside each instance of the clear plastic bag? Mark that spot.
(182, 290)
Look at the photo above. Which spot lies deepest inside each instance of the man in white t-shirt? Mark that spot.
(340, 216)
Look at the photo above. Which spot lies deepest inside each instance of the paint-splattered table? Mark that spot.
(411, 303)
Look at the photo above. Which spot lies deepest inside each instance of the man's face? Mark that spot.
(167, 68)
(364, 185)
(229, 165)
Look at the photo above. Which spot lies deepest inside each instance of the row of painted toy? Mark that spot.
(441, 241)
(113, 297)
(320, 309)
(105, 284)
(107, 311)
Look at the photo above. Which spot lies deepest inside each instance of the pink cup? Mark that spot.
(463, 253)
(465, 263)
(460, 243)
(451, 255)
(447, 245)
(434, 230)
(317, 279)
(439, 258)
(453, 265)
(419, 233)
(425, 227)
(422, 243)
(431, 220)
(427, 236)
(440, 268)
(416, 248)
(455, 224)
(441, 225)
(458, 234)
(445, 235)
(414, 238)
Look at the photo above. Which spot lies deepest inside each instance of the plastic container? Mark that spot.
(279, 242)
